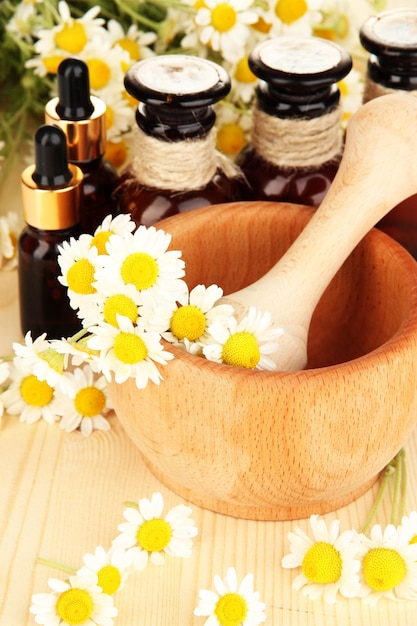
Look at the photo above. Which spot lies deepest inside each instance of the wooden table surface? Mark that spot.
(61, 495)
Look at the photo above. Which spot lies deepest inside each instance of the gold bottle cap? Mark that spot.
(55, 208)
(86, 139)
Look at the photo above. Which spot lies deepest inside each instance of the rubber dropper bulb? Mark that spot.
(51, 161)
(74, 101)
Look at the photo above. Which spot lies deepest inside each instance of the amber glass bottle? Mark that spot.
(175, 167)
(391, 39)
(82, 117)
(296, 139)
(51, 191)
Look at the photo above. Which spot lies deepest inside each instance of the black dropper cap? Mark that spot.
(51, 161)
(74, 101)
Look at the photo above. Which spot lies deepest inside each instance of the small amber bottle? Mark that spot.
(296, 139)
(176, 166)
(82, 117)
(391, 39)
(51, 193)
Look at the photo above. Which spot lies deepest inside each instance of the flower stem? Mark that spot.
(59, 566)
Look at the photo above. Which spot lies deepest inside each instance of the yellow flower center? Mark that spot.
(100, 241)
(140, 269)
(289, 11)
(243, 73)
(36, 392)
(231, 610)
(262, 26)
(100, 73)
(223, 17)
(154, 535)
(119, 304)
(52, 63)
(116, 153)
(74, 606)
(130, 348)
(242, 350)
(322, 563)
(89, 401)
(131, 47)
(384, 568)
(230, 139)
(80, 277)
(413, 539)
(109, 579)
(72, 37)
(188, 322)
(109, 117)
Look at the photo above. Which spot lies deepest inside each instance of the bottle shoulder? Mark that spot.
(148, 205)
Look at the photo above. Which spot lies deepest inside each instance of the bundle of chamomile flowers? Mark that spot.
(129, 292)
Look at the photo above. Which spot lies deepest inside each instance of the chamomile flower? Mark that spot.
(108, 304)
(143, 260)
(106, 65)
(243, 344)
(129, 351)
(120, 225)
(4, 375)
(244, 80)
(328, 561)
(148, 535)
(85, 403)
(77, 350)
(388, 564)
(78, 601)
(136, 42)
(295, 17)
(224, 26)
(45, 363)
(70, 34)
(351, 91)
(119, 113)
(27, 396)
(77, 260)
(409, 523)
(8, 240)
(232, 604)
(112, 568)
(195, 312)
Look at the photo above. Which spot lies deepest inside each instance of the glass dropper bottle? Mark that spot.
(82, 117)
(176, 166)
(296, 139)
(391, 39)
(51, 193)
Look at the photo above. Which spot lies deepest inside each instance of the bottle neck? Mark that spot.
(382, 80)
(297, 142)
(174, 165)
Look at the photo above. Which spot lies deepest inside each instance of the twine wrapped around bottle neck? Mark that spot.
(374, 90)
(301, 142)
(177, 165)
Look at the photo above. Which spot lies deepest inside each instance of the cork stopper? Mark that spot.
(176, 93)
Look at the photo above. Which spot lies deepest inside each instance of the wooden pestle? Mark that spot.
(378, 170)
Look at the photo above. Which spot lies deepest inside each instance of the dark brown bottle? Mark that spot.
(51, 191)
(82, 117)
(296, 140)
(176, 167)
(391, 39)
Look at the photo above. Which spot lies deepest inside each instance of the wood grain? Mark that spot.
(62, 495)
(282, 445)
